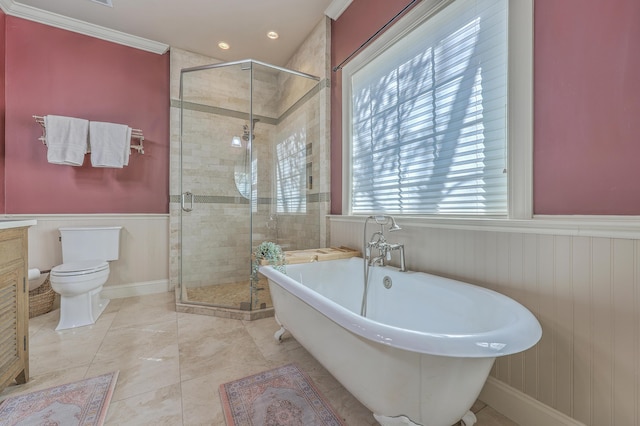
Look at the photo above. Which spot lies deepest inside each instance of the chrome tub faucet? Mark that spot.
(379, 242)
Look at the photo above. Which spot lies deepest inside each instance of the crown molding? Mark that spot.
(5, 5)
(30, 13)
(336, 8)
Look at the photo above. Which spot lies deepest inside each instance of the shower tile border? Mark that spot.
(208, 109)
(194, 106)
(219, 199)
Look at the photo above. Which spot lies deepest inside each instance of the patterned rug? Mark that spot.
(80, 403)
(284, 396)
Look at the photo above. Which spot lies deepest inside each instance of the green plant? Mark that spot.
(272, 253)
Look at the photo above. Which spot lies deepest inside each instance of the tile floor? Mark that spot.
(232, 295)
(171, 364)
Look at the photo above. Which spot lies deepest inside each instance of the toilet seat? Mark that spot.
(85, 267)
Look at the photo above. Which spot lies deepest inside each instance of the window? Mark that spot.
(247, 183)
(427, 114)
(254, 185)
(291, 157)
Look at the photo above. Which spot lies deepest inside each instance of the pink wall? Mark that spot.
(587, 107)
(53, 71)
(587, 102)
(2, 106)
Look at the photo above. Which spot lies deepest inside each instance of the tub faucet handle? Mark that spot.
(403, 266)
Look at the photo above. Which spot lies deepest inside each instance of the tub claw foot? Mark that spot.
(469, 419)
(278, 334)
(394, 421)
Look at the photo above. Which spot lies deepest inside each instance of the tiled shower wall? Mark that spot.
(313, 57)
(217, 233)
(584, 290)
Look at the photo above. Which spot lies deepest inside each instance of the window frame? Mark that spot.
(520, 102)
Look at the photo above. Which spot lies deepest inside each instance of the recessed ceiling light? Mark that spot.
(224, 46)
(272, 35)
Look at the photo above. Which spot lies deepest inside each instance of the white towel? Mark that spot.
(110, 144)
(66, 139)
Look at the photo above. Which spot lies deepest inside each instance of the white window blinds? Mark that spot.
(428, 117)
(291, 155)
(254, 185)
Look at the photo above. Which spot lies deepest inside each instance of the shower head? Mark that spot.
(246, 133)
(384, 220)
(394, 226)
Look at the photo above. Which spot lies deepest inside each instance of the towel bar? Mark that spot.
(135, 134)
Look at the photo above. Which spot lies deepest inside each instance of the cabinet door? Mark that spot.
(14, 310)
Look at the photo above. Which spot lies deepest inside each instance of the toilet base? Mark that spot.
(81, 310)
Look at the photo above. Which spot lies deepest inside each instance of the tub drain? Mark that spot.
(386, 281)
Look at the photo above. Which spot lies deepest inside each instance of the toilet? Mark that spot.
(85, 268)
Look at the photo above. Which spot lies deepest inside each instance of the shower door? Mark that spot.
(216, 186)
(249, 157)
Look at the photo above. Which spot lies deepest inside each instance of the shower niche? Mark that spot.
(249, 149)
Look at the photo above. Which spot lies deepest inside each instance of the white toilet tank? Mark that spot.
(92, 243)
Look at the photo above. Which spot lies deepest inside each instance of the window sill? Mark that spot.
(626, 227)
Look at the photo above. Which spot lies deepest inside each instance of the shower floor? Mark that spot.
(233, 295)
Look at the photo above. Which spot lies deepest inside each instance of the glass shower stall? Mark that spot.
(249, 157)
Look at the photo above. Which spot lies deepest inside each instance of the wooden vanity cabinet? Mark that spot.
(14, 307)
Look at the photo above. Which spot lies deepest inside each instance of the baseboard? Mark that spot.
(521, 408)
(135, 289)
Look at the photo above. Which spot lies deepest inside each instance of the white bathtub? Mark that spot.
(425, 349)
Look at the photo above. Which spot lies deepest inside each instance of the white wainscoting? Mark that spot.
(584, 288)
(144, 249)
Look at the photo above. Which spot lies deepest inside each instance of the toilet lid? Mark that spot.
(80, 268)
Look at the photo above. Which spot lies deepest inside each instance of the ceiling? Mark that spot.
(193, 25)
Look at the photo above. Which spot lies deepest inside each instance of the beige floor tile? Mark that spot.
(159, 407)
(477, 406)
(201, 401)
(172, 364)
(141, 311)
(490, 417)
(233, 351)
(49, 349)
(113, 306)
(142, 374)
(48, 320)
(192, 327)
(348, 407)
(46, 380)
(262, 332)
(130, 344)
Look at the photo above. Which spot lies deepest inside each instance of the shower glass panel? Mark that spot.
(249, 131)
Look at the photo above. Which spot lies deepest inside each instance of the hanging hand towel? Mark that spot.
(110, 144)
(66, 139)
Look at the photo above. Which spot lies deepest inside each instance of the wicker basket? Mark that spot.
(41, 299)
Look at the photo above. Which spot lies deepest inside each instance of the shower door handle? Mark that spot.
(182, 201)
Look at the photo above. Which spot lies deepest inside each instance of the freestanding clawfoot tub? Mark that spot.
(425, 349)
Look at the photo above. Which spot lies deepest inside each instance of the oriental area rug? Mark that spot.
(82, 403)
(284, 396)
